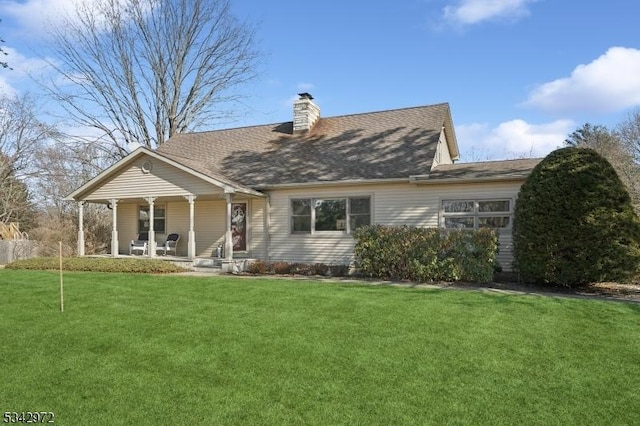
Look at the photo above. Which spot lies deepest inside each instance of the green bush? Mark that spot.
(574, 223)
(425, 254)
(150, 266)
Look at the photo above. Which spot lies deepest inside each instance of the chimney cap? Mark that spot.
(305, 95)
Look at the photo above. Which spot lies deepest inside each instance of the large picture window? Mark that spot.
(330, 214)
(474, 214)
(159, 219)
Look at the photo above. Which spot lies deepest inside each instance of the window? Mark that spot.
(359, 212)
(331, 214)
(300, 215)
(159, 219)
(473, 214)
(309, 215)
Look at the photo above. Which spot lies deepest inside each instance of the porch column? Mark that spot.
(151, 251)
(191, 243)
(228, 243)
(114, 228)
(81, 228)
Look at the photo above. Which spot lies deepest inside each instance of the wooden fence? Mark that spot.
(11, 231)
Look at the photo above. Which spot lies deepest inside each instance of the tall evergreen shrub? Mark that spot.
(574, 222)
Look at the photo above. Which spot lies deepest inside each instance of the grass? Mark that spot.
(222, 350)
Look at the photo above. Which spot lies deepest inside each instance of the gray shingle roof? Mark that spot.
(508, 169)
(377, 145)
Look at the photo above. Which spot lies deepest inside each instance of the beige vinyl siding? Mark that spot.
(177, 221)
(392, 204)
(209, 225)
(127, 226)
(163, 180)
(257, 235)
(443, 156)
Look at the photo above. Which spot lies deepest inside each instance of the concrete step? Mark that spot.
(207, 270)
(207, 262)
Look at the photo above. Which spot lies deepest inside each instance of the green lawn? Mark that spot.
(184, 350)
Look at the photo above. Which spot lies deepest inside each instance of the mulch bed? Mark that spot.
(607, 290)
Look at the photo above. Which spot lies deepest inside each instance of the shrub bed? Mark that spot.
(97, 265)
(426, 254)
(260, 267)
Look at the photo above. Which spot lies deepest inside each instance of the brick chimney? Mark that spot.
(305, 113)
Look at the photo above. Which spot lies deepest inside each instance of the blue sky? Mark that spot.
(520, 75)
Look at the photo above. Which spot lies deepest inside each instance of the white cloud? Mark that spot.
(469, 12)
(511, 139)
(35, 16)
(6, 88)
(608, 84)
(22, 66)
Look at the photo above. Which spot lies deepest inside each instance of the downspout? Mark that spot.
(267, 225)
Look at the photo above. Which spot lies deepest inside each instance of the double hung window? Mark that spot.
(159, 219)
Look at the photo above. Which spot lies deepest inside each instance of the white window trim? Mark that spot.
(347, 230)
(155, 207)
(476, 214)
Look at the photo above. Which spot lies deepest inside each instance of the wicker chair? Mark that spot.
(170, 245)
(140, 245)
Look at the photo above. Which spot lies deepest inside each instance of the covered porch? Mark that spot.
(205, 265)
(155, 196)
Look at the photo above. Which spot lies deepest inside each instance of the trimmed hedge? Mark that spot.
(574, 223)
(92, 264)
(426, 254)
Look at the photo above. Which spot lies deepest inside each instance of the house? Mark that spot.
(295, 191)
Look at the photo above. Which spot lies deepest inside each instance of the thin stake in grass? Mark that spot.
(61, 282)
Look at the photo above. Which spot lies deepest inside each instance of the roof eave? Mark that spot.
(426, 180)
(348, 182)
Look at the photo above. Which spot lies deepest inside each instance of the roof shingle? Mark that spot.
(503, 170)
(377, 145)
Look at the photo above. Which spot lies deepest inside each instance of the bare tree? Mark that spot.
(22, 135)
(63, 168)
(15, 199)
(629, 131)
(141, 71)
(616, 148)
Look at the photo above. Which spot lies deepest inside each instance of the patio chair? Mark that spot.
(170, 245)
(140, 245)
